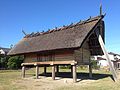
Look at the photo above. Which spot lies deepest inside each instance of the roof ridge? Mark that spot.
(90, 19)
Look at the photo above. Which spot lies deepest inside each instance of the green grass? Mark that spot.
(8, 77)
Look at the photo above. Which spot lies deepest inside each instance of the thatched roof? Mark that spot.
(66, 37)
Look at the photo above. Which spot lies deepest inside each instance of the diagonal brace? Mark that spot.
(107, 56)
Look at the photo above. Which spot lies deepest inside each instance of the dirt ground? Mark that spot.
(46, 83)
(11, 80)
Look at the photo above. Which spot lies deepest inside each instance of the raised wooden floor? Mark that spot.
(54, 64)
(51, 63)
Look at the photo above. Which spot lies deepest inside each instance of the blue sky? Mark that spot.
(39, 15)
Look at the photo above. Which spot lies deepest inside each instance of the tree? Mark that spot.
(14, 62)
(3, 61)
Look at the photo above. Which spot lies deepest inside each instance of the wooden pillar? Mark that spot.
(74, 74)
(57, 69)
(45, 69)
(23, 71)
(53, 72)
(71, 70)
(90, 70)
(37, 71)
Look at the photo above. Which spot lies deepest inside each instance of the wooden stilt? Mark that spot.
(71, 70)
(74, 74)
(37, 72)
(45, 69)
(90, 70)
(57, 69)
(53, 72)
(23, 71)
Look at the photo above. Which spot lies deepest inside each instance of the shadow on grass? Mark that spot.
(80, 75)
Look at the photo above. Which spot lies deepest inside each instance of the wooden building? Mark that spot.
(69, 45)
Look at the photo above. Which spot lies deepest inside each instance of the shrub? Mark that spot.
(14, 62)
(3, 62)
(94, 64)
(65, 66)
(83, 67)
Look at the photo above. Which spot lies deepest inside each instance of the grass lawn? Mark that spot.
(11, 80)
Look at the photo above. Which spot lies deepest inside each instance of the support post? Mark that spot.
(71, 68)
(112, 69)
(57, 69)
(37, 71)
(23, 71)
(45, 69)
(90, 70)
(53, 72)
(74, 74)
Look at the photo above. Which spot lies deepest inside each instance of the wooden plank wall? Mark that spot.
(30, 58)
(64, 56)
(82, 55)
(57, 56)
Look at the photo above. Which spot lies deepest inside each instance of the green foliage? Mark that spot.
(3, 62)
(83, 67)
(65, 66)
(14, 62)
(94, 64)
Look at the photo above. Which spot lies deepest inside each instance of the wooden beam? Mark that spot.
(23, 71)
(53, 72)
(27, 64)
(74, 74)
(90, 70)
(37, 71)
(106, 55)
(51, 63)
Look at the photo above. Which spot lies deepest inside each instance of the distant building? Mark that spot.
(115, 58)
(4, 51)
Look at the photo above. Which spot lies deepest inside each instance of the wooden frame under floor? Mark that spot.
(54, 64)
